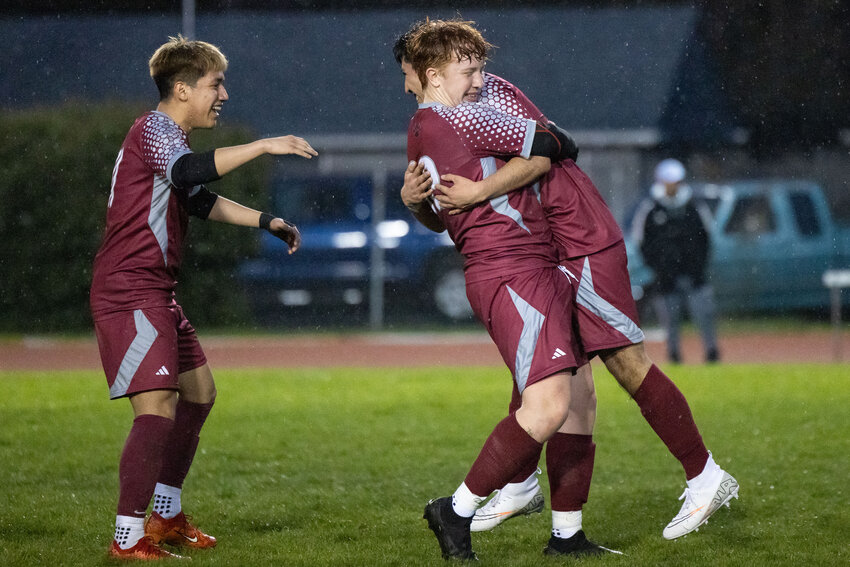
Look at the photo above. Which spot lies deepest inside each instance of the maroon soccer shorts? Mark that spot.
(147, 349)
(606, 312)
(529, 316)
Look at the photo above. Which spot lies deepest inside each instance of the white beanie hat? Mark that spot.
(669, 171)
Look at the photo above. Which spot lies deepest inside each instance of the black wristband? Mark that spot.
(266, 220)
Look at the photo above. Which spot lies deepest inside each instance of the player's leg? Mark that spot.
(606, 312)
(607, 318)
(514, 442)
(138, 355)
(137, 471)
(667, 411)
(566, 452)
(569, 463)
(529, 317)
(519, 497)
(661, 403)
(569, 457)
(168, 523)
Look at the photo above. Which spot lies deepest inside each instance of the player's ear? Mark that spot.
(180, 91)
(433, 76)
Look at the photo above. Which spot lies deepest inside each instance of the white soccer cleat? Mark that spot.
(503, 506)
(700, 505)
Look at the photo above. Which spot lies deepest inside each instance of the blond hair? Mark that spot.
(183, 60)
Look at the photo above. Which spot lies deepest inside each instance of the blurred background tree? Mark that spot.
(58, 166)
(785, 67)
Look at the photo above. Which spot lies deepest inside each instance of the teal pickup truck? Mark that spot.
(771, 242)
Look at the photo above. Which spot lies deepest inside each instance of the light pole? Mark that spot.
(189, 19)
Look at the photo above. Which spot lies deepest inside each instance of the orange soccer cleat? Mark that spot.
(178, 531)
(144, 550)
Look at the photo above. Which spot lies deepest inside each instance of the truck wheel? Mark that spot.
(448, 290)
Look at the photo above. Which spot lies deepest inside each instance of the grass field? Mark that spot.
(333, 467)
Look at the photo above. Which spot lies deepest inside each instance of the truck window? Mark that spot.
(805, 215)
(752, 216)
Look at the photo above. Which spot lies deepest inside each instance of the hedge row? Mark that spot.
(57, 166)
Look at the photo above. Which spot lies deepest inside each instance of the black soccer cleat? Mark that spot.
(451, 530)
(576, 546)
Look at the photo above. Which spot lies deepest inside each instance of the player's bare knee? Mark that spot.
(542, 417)
(628, 365)
(208, 397)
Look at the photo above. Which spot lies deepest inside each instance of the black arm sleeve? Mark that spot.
(200, 202)
(569, 148)
(194, 169)
(553, 142)
(545, 144)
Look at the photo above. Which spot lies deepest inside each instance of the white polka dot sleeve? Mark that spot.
(486, 131)
(163, 141)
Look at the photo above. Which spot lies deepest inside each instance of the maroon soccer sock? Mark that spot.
(531, 467)
(527, 470)
(506, 452)
(141, 462)
(667, 412)
(569, 464)
(180, 450)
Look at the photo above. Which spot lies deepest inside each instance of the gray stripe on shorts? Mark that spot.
(532, 320)
(145, 336)
(500, 204)
(588, 298)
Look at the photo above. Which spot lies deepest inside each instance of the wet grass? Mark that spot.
(333, 466)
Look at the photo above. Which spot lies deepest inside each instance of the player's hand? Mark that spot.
(290, 145)
(287, 232)
(462, 195)
(417, 186)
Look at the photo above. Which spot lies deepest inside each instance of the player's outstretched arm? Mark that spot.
(465, 193)
(231, 212)
(415, 194)
(229, 158)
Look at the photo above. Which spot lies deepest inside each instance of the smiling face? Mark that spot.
(204, 100)
(190, 78)
(456, 82)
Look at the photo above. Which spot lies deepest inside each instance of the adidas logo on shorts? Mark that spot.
(163, 371)
(558, 354)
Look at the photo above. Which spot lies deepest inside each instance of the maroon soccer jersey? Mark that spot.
(505, 235)
(579, 217)
(146, 221)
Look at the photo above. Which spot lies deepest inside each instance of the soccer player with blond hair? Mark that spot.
(149, 350)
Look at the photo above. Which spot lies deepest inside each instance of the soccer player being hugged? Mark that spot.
(149, 350)
(513, 280)
(588, 239)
